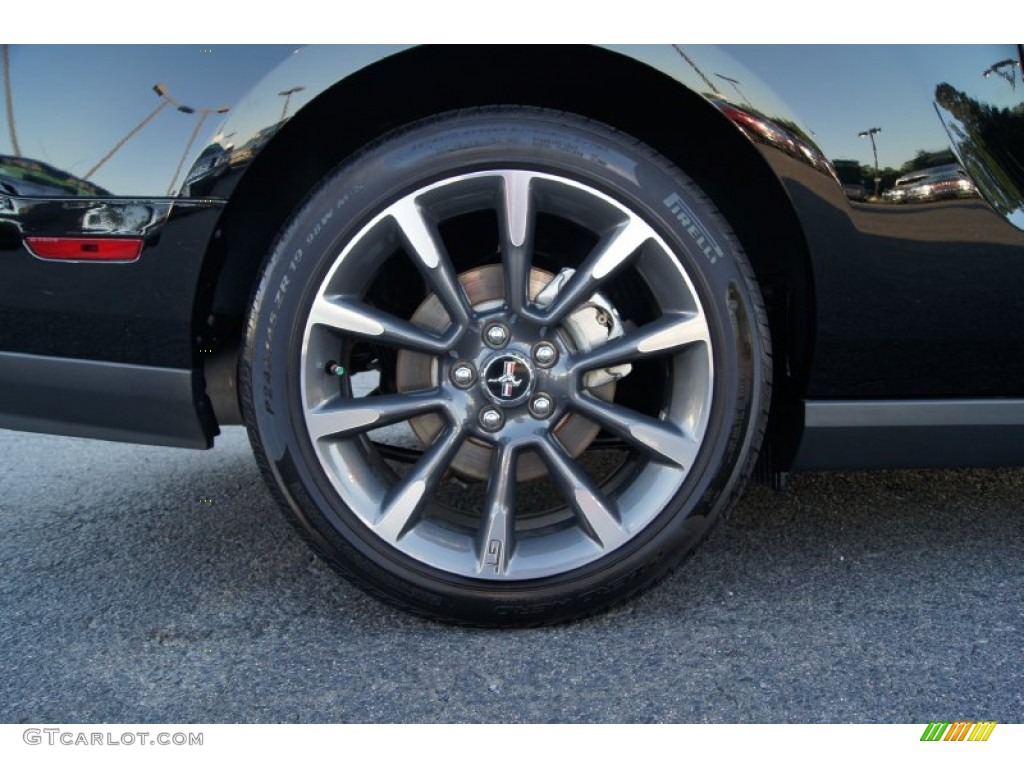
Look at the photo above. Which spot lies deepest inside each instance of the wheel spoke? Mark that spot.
(667, 334)
(496, 538)
(403, 504)
(359, 319)
(517, 222)
(596, 515)
(424, 245)
(611, 252)
(651, 435)
(339, 418)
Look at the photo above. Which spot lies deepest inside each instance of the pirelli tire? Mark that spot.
(506, 366)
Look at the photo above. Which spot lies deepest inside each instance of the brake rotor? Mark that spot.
(485, 288)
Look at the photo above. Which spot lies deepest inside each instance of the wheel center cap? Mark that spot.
(508, 378)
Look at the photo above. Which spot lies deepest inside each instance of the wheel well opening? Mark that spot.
(585, 80)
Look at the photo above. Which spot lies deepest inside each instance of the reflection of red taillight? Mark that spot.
(85, 248)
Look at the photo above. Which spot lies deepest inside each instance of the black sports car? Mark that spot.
(511, 328)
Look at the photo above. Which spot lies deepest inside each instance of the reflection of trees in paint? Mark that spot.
(990, 140)
(924, 159)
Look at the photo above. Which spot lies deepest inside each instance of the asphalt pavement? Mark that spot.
(142, 584)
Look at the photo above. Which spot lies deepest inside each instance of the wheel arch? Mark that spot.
(656, 108)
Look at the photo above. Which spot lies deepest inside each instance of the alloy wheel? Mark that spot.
(505, 373)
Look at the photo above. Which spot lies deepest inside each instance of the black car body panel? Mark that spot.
(871, 302)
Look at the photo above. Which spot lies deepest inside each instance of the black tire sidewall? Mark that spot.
(410, 159)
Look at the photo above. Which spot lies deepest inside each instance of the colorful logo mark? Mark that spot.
(961, 730)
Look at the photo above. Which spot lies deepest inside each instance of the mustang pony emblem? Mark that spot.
(508, 379)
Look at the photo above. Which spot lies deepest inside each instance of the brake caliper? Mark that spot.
(595, 323)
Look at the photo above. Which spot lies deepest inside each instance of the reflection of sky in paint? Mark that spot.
(833, 91)
(97, 94)
(837, 91)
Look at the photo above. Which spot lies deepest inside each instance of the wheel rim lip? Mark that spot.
(556, 552)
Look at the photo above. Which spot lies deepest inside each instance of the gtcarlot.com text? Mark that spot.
(59, 736)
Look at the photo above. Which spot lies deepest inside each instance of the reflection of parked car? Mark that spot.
(942, 186)
(926, 185)
(28, 176)
(761, 128)
(898, 194)
(855, 192)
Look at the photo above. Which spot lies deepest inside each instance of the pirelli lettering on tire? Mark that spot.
(700, 236)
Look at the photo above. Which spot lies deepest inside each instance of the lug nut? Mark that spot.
(463, 375)
(542, 405)
(545, 354)
(496, 335)
(491, 419)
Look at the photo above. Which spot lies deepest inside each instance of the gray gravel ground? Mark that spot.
(145, 584)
